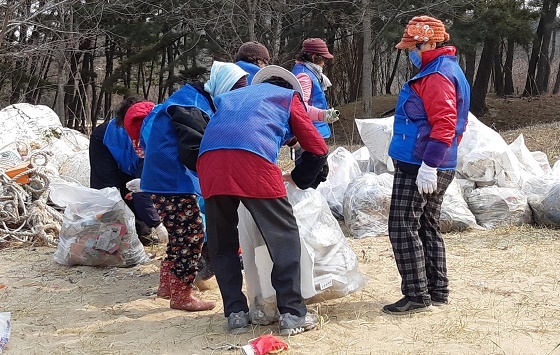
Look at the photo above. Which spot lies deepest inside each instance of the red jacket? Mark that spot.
(439, 98)
(242, 173)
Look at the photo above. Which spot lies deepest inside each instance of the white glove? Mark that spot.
(426, 179)
(134, 185)
(330, 115)
(162, 235)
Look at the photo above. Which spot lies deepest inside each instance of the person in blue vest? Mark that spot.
(170, 147)
(251, 57)
(309, 72)
(237, 164)
(113, 163)
(430, 119)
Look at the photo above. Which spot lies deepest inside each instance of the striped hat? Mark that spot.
(423, 29)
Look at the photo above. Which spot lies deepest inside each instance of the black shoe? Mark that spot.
(439, 302)
(439, 299)
(406, 306)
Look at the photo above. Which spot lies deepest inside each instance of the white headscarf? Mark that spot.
(222, 77)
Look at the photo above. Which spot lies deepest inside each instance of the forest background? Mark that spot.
(80, 57)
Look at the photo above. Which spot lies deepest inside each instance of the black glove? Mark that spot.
(321, 177)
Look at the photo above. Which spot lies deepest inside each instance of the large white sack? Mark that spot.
(455, 213)
(343, 168)
(363, 158)
(76, 140)
(366, 205)
(556, 168)
(543, 195)
(76, 168)
(35, 125)
(330, 267)
(495, 207)
(542, 159)
(376, 133)
(484, 157)
(527, 161)
(62, 149)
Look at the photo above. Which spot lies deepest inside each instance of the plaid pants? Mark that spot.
(415, 236)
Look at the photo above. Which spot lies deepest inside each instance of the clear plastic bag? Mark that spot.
(455, 213)
(543, 195)
(343, 168)
(97, 229)
(496, 207)
(329, 266)
(366, 205)
(5, 329)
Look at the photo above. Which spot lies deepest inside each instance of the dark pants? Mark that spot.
(181, 217)
(145, 210)
(278, 226)
(415, 236)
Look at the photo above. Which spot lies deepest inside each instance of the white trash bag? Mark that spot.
(455, 213)
(97, 229)
(5, 329)
(543, 194)
(485, 158)
(376, 133)
(363, 158)
(343, 168)
(495, 207)
(329, 266)
(366, 205)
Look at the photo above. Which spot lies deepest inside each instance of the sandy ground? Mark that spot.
(504, 300)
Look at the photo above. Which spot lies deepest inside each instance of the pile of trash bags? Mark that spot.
(496, 184)
(44, 170)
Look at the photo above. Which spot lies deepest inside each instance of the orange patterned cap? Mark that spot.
(422, 29)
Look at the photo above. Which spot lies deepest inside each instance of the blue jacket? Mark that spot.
(254, 118)
(317, 99)
(119, 144)
(411, 129)
(250, 68)
(163, 172)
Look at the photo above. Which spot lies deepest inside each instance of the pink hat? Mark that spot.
(316, 46)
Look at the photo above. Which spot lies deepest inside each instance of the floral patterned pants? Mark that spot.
(181, 217)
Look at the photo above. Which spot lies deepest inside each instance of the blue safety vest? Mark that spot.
(120, 145)
(317, 99)
(254, 118)
(164, 173)
(411, 129)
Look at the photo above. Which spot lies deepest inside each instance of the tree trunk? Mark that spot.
(59, 107)
(531, 88)
(543, 65)
(557, 82)
(508, 68)
(367, 68)
(498, 72)
(393, 73)
(470, 65)
(480, 87)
